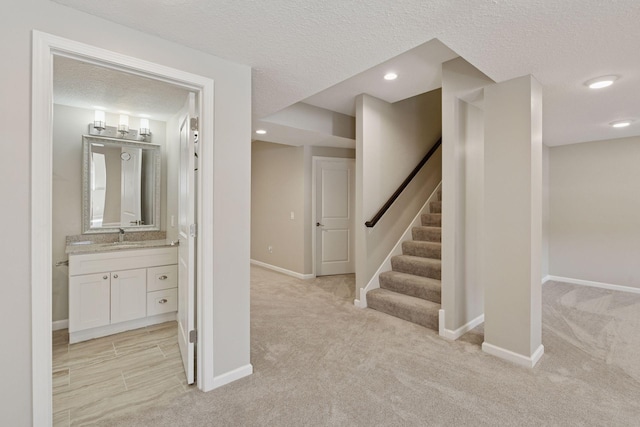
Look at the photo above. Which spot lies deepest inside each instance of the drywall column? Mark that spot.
(513, 220)
(462, 197)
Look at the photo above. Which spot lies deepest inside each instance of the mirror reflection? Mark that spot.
(121, 181)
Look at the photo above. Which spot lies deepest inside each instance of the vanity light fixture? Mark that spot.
(99, 121)
(123, 124)
(601, 82)
(621, 123)
(390, 76)
(144, 127)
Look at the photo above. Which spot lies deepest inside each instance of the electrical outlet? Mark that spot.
(270, 249)
(293, 215)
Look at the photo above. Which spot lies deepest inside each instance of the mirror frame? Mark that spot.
(86, 192)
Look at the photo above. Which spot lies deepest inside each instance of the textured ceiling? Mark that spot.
(419, 70)
(298, 49)
(83, 85)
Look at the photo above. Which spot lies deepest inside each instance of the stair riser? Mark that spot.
(435, 207)
(431, 270)
(427, 235)
(425, 251)
(408, 289)
(426, 319)
(431, 220)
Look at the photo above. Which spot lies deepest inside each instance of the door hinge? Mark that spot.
(193, 336)
(193, 230)
(194, 123)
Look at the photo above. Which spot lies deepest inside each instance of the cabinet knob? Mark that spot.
(163, 277)
(105, 277)
(115, 276)
(162, 301)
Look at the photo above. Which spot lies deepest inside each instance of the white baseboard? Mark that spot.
(601, 285)
(362, 301)
(233, 375)
(518, 359)
(283, 270)
(455, 334)
(60, 324)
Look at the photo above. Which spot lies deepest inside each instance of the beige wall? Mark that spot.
(69, 124)
(277, 189)
(594, 198)
(391, 139)
(281, 184)
(231, 186)
(463, 192)
(513, 217)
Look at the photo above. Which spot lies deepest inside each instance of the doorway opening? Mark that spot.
(46, 49)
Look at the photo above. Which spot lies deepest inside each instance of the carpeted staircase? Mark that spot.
(411, 291)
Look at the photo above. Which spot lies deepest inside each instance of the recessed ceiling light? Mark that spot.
(261, 131)
(390, 76)
(621, 123)
(601, 82)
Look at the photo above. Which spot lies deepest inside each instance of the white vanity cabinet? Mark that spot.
(114, 291)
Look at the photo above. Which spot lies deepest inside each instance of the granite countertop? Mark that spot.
(89, 246)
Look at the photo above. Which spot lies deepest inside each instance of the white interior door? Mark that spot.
(130, 186)
(187, 237)
(335, 216)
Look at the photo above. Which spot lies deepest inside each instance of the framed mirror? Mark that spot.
(120, 185)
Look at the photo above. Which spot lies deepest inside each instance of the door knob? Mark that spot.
(319, 225)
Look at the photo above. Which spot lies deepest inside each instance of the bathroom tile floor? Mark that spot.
(115, 375)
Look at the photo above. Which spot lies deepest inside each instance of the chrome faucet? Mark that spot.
(121, 235)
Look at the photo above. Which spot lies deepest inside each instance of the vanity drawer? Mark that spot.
(164, 277)
(164, 301)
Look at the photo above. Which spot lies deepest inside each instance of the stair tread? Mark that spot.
(413, 258)
(412, 309)
(431, 219)
(426, 233)
(418, 266)
(422, 249)
(409, 284)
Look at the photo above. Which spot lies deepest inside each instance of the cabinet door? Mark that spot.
(89, 301)
(128, 295)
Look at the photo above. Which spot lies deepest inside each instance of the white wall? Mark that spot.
(391, 139)
(462, 192)
(231, 184)
(69, 124)
(594, 198)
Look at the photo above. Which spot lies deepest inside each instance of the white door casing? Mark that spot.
(187, 237)
(334, 216)
(45, 47)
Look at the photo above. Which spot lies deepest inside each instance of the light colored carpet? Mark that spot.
(320, 361)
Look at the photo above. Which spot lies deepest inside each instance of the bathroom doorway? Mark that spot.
(46, 50)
